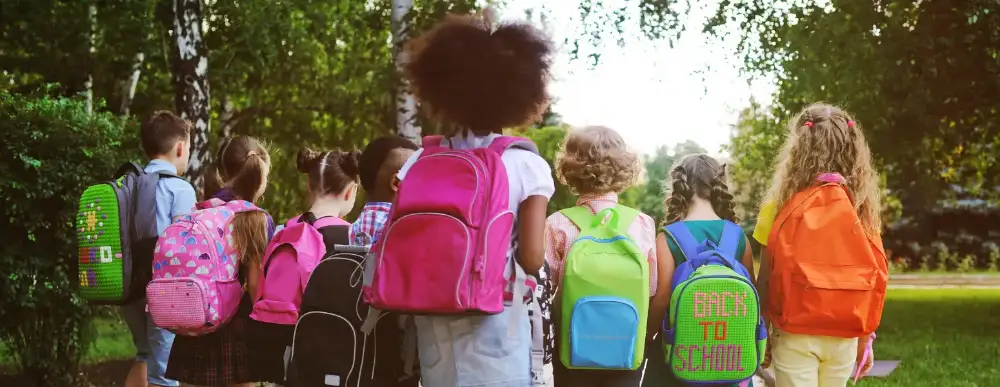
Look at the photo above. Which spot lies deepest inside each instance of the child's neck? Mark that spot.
(327, 207)
(701, 209)
(380, 197)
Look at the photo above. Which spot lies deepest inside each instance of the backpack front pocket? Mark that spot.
(177, 303)
(829, 297)
(603, 333)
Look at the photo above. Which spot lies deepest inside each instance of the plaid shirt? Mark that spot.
(372, 219)
(560, 232)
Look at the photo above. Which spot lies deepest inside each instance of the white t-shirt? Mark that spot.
(475, 350)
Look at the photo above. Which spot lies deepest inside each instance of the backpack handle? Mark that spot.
(619, 217)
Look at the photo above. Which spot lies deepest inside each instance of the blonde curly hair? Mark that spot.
(595, 160)
(823, 138)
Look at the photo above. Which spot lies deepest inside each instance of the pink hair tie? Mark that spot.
(850, 124)
(809, 124)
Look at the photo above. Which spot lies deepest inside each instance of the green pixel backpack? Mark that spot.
(116, 234)
(605, 293)
(714, 333)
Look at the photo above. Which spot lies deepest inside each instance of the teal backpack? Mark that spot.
(605, 293)
(714, 333)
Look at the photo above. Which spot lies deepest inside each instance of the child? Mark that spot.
(165, 139)
(482, 79)
(221, 358)
(333, 187)
(700, 200)
(380, 163)
(825, 156)
(596, 164)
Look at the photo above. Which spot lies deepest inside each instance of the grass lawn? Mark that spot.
(945, 338)
(112, 342)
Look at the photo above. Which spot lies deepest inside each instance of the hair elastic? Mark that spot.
(850, 124)
(809, 124)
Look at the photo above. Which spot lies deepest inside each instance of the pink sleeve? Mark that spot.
(649, 242)
(555, 240)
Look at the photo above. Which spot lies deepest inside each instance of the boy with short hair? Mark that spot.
(380, 162)
(165, 138)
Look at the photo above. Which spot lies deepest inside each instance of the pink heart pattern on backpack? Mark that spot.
(195, 287)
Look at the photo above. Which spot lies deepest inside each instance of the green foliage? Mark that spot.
(651, 195)
(549, 141)
(754, 146)
(51, 150)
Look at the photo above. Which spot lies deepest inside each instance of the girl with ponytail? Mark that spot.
(700, 200)
(223, 358)
(333, 179)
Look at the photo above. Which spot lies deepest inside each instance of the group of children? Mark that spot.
(480, 77)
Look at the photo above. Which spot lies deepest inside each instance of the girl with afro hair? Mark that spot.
(479, 77)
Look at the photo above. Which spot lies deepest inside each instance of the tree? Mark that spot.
(406, 104)
(920, 77)
(753, 148)
(51, 148)
(190, 73)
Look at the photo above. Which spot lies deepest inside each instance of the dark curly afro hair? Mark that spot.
(468, 73)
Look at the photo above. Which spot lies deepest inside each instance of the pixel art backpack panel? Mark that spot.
(195, 287)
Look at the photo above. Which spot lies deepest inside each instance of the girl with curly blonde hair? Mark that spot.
(824, 145)
(597, 165)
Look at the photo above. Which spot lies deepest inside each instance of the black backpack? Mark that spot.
(116, 235)
(328, 346)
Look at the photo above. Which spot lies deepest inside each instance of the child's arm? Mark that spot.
(531, 233)
(763, 281)
(664, 274)
(747, 262)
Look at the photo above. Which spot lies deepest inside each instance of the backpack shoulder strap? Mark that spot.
(502, 143)
(329, 221)
(129, 167)
(729, 242)
(580, 216)
(431, 141)
(683, 238)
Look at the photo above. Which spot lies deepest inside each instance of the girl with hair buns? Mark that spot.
(700, 200)
(333, 179)
(222, 358)
(481, 78)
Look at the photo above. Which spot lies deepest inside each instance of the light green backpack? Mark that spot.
(605, 293)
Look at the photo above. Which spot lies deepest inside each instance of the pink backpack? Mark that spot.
(195, 287)
(444, 249)
(289, 260)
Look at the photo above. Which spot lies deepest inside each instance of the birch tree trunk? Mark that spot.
(190, 70)
(406, 105)
(88, 85)
(129, 84)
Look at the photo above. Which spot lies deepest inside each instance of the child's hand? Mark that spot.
(865, 359)
(767, 353)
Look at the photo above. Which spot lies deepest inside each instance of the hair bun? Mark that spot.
(350, 163)
(306, 159)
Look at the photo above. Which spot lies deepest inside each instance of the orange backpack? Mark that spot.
(828, 277)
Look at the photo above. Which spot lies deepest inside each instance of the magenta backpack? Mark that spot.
(444, 249)
(195, 287)
(289, 260)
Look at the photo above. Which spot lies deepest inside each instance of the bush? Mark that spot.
(50, 150)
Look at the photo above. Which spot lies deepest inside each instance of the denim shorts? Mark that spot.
(152, 344)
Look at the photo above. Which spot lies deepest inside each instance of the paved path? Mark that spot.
(944, 281)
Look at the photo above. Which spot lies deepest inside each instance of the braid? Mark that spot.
(721, 199)
(676, 205)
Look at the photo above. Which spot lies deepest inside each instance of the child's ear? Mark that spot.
(179, 149)
(394, 184)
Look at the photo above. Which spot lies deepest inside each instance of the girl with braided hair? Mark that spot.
(700, 200)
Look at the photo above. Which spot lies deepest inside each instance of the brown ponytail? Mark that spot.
(243, 165)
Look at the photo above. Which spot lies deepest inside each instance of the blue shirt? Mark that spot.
(174, 197)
